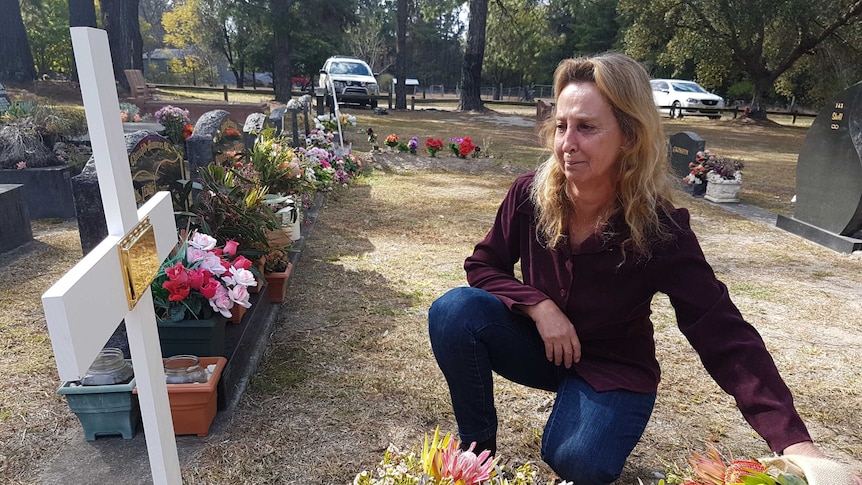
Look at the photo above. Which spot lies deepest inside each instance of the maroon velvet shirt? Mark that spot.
(609, 306)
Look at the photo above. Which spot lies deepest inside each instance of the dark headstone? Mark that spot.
(217, 138)
(5, 104)
(47, 190)
(16, 228)
(682, 150)
(155, 164)
(829, 177)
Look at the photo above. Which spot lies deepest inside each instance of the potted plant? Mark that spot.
(276, 271)
(724, 179)
(196, 290)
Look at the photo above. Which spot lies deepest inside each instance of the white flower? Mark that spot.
(203, 241)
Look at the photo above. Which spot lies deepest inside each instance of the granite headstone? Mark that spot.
(155, 163)
(254, 124)
(5, 103)
(217, 138)
(829, 177)
(682, 150)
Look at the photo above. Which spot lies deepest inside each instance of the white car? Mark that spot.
(352, 79)
(685, 98)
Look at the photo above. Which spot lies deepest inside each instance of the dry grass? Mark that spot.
(349, 369)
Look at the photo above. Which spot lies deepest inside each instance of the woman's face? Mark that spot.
(588, 140)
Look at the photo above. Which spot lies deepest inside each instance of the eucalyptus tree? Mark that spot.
(17, 60)
(120, 19)
(762, 39)
(474, 54)
(47, 23)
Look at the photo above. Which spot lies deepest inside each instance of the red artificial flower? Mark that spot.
(178, 290)
(242, 262)
(467, 146)
(188, 130)
(230, 248)
(196, 278)
(177, 273)
(208, 290)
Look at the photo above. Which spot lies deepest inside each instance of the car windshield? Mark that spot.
(349, 68)
(688, 87)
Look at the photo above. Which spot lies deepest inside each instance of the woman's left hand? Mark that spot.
(807, 448)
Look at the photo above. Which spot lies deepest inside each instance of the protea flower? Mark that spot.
(709, 467)
(443, 459)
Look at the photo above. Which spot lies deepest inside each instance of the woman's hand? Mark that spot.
(562, 346)
(807, 448)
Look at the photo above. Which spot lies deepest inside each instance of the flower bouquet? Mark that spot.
(412, 145)
(175, 121)
(391, 141)
(200, 279)
(443, 462)
(433, 145)
(462, 147)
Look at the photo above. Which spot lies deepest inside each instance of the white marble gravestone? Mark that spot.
(87, 304)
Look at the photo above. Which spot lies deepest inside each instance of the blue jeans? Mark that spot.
(589, 434)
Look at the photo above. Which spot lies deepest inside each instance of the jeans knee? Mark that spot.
(458, 307)
(581, 466)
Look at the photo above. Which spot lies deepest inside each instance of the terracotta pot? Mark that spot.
(194, 406)
(236, 314)
(277, 284)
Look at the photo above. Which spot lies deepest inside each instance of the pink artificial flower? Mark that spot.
(202, 241)
(221, 301)
(230, 248)
(239, 294)
(194, 255)
(213, 264)
(242, 277)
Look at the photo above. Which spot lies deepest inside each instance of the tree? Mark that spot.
(759, 39)
(403, 12)
(82, 13)
(48, 31)
(120, 18)
(471, 73)
(17, 60)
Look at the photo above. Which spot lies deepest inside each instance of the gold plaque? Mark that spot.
(139, 260)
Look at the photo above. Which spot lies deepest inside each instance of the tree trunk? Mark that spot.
(471, 74)
(757, 110)
(281, 50)
(16, 60)
(401, 56)
(82, 13)
(120, 18)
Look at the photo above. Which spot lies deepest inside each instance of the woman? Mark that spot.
(597, 236)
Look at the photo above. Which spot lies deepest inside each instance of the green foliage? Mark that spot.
(47, 24)
(28, 132)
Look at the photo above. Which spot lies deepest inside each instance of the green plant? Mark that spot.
(276, 261)
(276, 163)
(28, 132)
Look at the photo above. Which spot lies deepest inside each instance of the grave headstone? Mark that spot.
(276, 117)
(682, 150)
(16, 220)
(155, 165)
(829, 177)
(254, 124)
(5, 103)
(217, 138)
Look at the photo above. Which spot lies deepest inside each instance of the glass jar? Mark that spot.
(184, 369)
(109, 368)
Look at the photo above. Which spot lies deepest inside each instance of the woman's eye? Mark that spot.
(561, 128)
(586, 128)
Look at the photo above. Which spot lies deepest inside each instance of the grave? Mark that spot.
(217, 138)
(16, 229)
(682, 150)
(155, 165)
(5, 103)
(254, 124)
(47, 190)
(829, 177)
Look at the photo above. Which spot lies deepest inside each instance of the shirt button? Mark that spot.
(562, 292)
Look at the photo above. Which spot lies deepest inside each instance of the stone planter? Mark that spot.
(277, 284)
(722, 190)
(202, 338)
(104, 410)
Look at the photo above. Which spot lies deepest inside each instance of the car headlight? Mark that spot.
(338, 84)
(371, 87)
(692, 101)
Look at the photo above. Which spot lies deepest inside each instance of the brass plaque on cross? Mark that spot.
(139, 260)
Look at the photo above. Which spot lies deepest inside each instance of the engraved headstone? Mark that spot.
(254, 124)
(829, 177)
(155, 164)
(5, 104)
(682, 150)
(217, 138)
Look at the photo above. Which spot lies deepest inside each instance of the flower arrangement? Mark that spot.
(174, 120)
(391, 141)
(329, 123)
(462, 147)
(372, 138)
(412, 145)
(443, 462)
(320, 139)
(200, 279)
(433, 145)
(130, 113)
(706, 162)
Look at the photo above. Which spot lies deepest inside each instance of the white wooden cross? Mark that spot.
(87, 304)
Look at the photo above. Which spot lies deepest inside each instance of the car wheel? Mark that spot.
(715, 117)
(676, 110)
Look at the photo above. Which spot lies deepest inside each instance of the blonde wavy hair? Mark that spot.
(644, 181)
